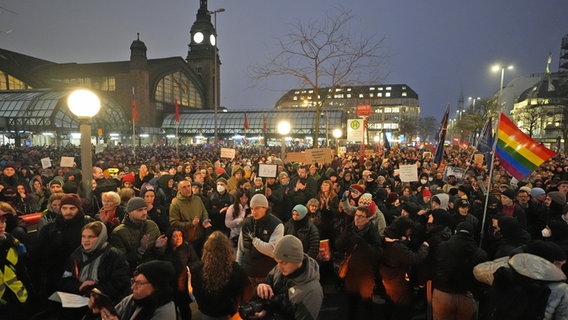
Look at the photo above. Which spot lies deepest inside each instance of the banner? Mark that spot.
(320, 155)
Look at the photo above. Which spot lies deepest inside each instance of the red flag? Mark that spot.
(246, 122)
(134, 109)
(177, 110)
(263, 122)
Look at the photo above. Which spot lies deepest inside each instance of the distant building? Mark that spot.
(395, 107)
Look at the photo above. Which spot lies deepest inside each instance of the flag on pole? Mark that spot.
(134, 109)
(177, 110)
(246, 122)
(386, 143)
(442, 137)
(485, 144)
(518, 153)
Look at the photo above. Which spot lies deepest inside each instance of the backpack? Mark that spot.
(517, 297)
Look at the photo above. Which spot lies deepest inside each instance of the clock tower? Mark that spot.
(203, 54)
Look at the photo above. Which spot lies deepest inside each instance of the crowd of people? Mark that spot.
(165, 227)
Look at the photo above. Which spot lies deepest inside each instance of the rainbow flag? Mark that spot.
(519, 154)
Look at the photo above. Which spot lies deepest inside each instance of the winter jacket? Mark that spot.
(184, 209)
(307, 232)
(300, 294)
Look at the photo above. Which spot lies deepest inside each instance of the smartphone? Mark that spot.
(103, 301)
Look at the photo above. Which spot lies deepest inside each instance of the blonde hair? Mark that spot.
(111, 195)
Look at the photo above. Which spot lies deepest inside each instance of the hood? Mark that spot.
(444, 200)
(536, 267)
(311, 273)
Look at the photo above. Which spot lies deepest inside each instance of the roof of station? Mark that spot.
(259, 122)
(46, 110)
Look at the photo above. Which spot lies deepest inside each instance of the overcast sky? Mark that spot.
(437, 47)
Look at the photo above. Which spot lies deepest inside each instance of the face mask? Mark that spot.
(423, 181)
(546, 233)
(220, 188)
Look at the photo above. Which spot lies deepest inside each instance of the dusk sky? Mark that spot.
(437, 47)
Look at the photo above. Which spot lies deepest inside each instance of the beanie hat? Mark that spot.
(426, 193)
(357, 187)
(159, 273)
(557, 197)
(197, 184)
(465, 227)
(525, 188)
(145, 188)
(135, 204)
(128, 178)
(463, 203)
(392, 197)
(55, 181)
(365, 199)
(72, 199)
(223, 180)
(289, 249)
(535, 192)
(301, 209)
(511, 194)
(258, 200)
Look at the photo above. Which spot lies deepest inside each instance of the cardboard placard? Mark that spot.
(320, 155)
(67, 162)
(45, 163)
(408, 173)
(267, 170)
(228, 153)
(295, 157)
(478, 158)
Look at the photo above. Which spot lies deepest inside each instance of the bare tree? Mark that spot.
(323, 54)
(530, 117)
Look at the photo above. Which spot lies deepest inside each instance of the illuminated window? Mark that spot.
(404, 94)
(372, 88)
(177, 86)
(389, 88)
(380, 94)
(8, 82)
(360, 95)
(380, 88)
(349, 95)
(371, 95)
(387, 94)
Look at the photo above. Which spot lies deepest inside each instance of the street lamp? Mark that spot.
(337, 133)
(473, 100)
(496, 68)
(85, 105)
(283, 129)
(216, 81)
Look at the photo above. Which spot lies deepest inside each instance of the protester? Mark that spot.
(302, 228)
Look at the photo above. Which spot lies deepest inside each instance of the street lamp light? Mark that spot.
(496, 68)
(283, 129)
(216, 81)
(85, 105)
(473, 100)
(337, 133)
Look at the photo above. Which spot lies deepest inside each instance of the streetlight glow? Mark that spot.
(284, 127)
(337, 133)
(496, 68)
(85, 105)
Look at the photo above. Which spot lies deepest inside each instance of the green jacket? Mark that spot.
(184, 209)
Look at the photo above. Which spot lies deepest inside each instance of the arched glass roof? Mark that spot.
(46, 110)
(229, 123)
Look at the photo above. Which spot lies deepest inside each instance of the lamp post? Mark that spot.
(496, 68)
(283, 129)
(216, 82)
(337, 133)
(85, 105)
(473, 100)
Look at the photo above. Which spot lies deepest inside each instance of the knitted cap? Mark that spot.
(72, 199)
(135, 204)
(128, 178)
(258, 200)
(535, 192)
(365, 199)
(289, 249)
(511, 194)
(557, 197)
(357, 187)
(159, 273)
(426, 193)
(301, 209)
(223, 180)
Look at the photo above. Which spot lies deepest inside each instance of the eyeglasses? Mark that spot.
(138, 282)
